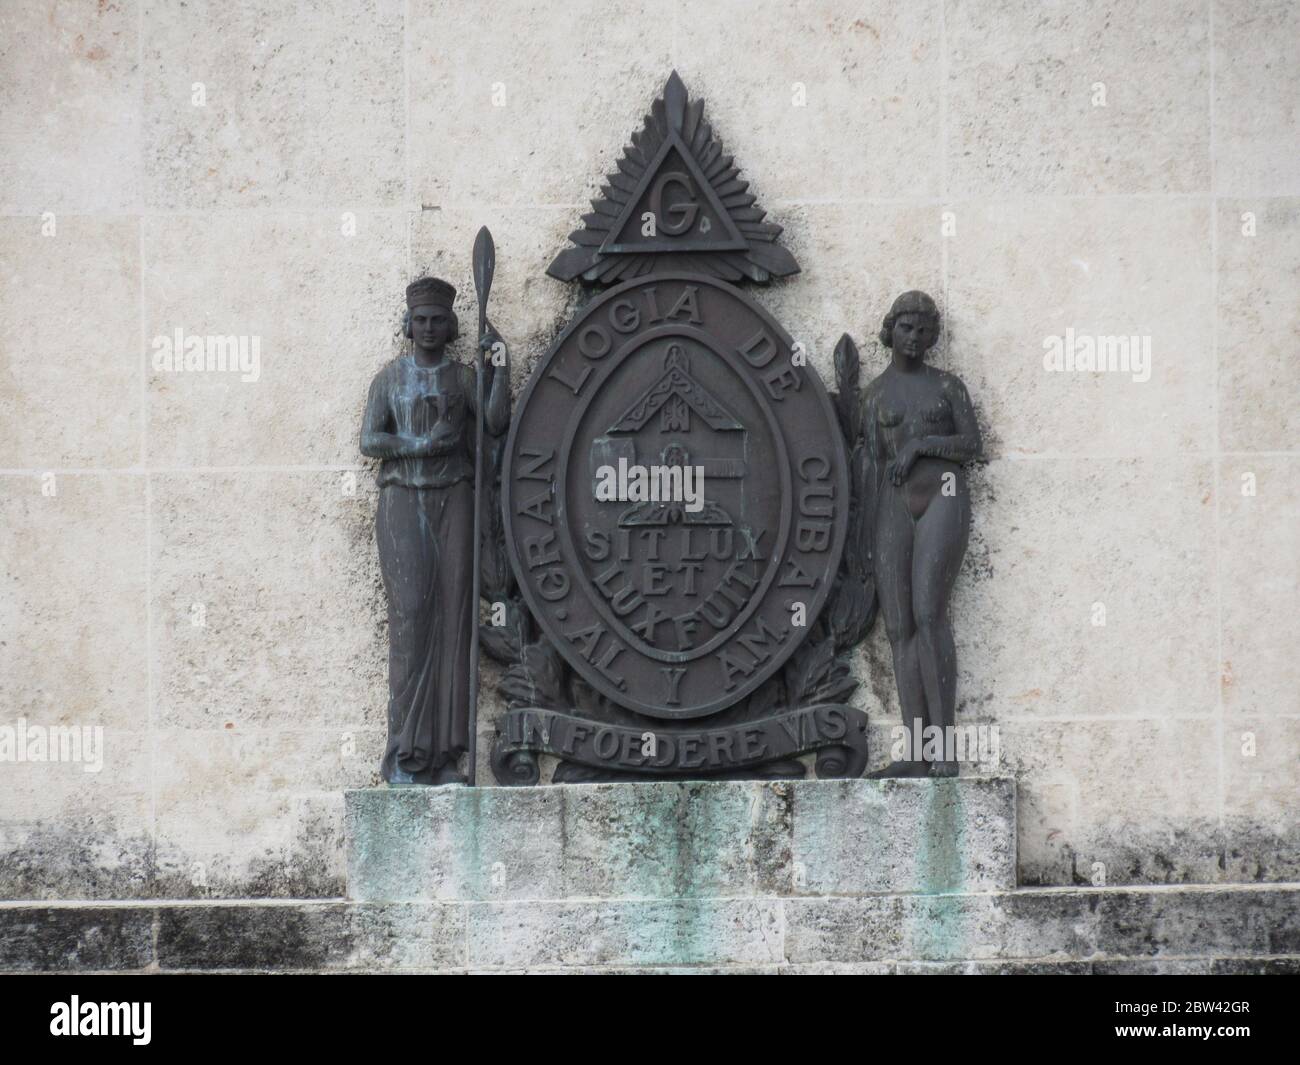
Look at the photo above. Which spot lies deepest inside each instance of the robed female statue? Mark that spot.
(419, 421)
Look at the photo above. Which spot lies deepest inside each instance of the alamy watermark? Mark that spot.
(232, 354)
(951, 743)
(75, 1017)
(651, 484)
(83, 744)
(1084, 353)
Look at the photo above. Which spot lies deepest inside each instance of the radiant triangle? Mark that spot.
(687, 215)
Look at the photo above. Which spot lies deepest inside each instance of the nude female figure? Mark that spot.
(920, 430)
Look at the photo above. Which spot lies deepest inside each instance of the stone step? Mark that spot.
(1143, 929)
(668, 840)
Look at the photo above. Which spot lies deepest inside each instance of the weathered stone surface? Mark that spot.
(1022, 272)
(626, 932)
(306, 287)
(453, 843)
(1261, 834)
(69, 107)
(268, 822)
(995, 968)
(1115, 633)
(855, 837)
(1052, 925)
(866, 79)
(652, 840)
(937, 927)
(1240, 920)
(1258, 309)
(681, 840)
(231, 626)
(1082, 824)
(70, 384)
(1144, 930)
(72, 548)
(1259, 585)
(72, 834)
(302, 108)
(686, 840)
(1257, 140)
(74, 938)
(1023, 78)
(461, 65)
(298, 936)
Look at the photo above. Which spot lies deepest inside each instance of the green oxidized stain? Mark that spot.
(666, 852)
(467, 810)
(938, 927)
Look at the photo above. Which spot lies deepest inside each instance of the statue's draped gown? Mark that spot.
(425, 531)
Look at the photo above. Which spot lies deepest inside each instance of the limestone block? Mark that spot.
(994, 968)
(1022, 272)
(1258, 319)
(625, 932)
(1022, 80)
(322, 306)
(1257, 139)
(268, 609)
(1237, 929)
(301, 109)
(1241, 920)
(1259, 584)
(497, 118)
(684, 840)
(1044, 925)
(1088, 590)
(73, 614)
(1261, 834)
(454, 843)
(828, 101)
(680, 840)
(75, 938)
(252, 813)
(306, 936)
(654, 840)
(1116, 801)
(853, 837)
(69, 833)
(69, 107)
(70, 388)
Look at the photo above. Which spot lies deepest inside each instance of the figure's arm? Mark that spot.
(874, 438)
(964, 445)
(376, 441)
(873, 469)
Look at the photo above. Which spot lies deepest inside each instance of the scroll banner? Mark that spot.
(836, 731)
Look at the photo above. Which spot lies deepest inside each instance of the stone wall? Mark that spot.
(188, 558)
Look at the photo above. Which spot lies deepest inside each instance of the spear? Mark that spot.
(485, 264)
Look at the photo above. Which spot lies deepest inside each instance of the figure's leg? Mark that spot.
(452, 516)
(941, 536)
(892, 568)
(407, 575)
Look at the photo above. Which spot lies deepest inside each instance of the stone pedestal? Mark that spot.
(817, 876)
(670, 840)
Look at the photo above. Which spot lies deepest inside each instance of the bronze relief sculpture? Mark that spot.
(919, 430)
(644, 635)
(420, 421)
